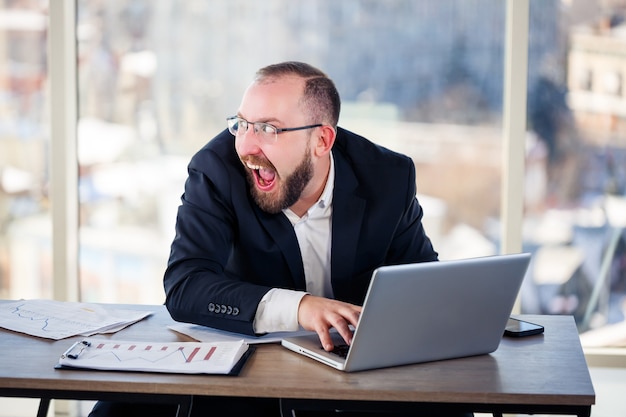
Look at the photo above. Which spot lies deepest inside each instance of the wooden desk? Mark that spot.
(540, 374)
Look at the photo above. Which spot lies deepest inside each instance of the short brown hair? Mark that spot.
(320, 95)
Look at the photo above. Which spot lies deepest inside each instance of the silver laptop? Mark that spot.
(427, 312)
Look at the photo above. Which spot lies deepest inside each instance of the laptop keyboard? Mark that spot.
(340, 350)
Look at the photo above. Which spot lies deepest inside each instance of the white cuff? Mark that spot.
(278, 311)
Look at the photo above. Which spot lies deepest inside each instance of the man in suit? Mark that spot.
(285, 216)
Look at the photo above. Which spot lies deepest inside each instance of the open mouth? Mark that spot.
(264, 177)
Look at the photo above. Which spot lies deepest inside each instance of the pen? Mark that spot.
(76, 349)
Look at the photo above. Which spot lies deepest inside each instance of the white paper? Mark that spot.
(58, 320)
(172, 357)
(209, 334)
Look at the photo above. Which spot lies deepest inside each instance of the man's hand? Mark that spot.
(320, 314)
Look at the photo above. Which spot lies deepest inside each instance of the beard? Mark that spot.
(288, 192)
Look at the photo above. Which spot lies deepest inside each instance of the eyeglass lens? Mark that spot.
(239, 126)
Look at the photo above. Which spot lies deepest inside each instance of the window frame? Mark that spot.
(63, 149)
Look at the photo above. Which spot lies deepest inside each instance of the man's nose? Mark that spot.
(248, 142)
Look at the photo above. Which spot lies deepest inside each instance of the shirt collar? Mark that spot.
(326, 198)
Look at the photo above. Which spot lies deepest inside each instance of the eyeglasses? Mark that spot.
(268, 133)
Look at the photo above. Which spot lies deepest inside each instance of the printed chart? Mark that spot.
(179, 357)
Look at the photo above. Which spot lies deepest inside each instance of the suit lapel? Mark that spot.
(348, 210)
(279, 227)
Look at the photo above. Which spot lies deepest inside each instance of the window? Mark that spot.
(574, 222)
(25, 223)
(156, 80)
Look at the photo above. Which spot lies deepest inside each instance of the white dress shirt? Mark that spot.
(278, 309)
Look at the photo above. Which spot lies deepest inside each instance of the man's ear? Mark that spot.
(325, 140)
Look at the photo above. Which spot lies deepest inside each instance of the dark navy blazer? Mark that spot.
(227, 252)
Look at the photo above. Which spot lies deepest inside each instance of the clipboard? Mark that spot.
(219, 358)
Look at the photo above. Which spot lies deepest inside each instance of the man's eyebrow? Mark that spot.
(269, 120)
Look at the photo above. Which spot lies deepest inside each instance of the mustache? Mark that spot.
(257, 160)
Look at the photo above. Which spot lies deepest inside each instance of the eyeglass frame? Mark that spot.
(255, 124)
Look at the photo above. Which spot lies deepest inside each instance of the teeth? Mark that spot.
(254, 167)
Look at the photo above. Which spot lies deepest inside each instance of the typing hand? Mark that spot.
(320, 314)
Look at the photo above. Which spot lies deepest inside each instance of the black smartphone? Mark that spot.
(519, 328)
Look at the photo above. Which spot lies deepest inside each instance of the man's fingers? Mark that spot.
(353, 316)
(321, 314)
(325, 339)
(345, 332)
(342, 324)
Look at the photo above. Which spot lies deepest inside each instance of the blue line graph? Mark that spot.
(58, 320)
(42, 320)
(31, 315)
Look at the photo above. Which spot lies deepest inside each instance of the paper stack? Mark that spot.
(58, 320)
